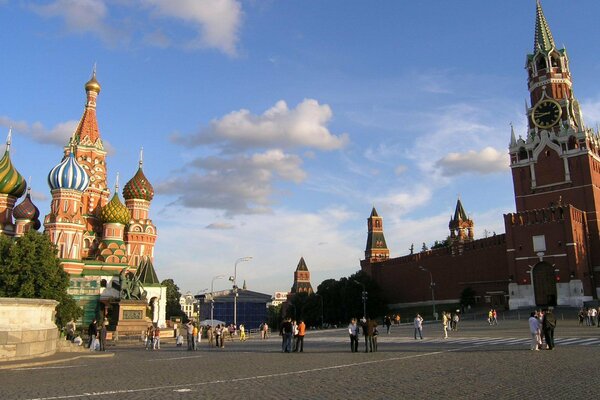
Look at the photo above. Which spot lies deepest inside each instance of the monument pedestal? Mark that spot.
(132, 320)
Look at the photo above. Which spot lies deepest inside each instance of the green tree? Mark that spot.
(29, 268)
(173, 297)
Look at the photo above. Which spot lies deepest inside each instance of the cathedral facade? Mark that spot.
(98, 237)
(550, 253)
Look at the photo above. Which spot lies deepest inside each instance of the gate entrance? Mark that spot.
(544, 284)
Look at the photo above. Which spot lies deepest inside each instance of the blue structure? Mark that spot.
(251, 307)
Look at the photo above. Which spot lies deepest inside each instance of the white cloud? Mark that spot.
(402, 202)
(58, 135)
(279, 126)
(238, 184)
(217, 21)
(329, 248)
(486, 161)
(80, 16)
(591, 112)
(400, 169)
(220, 225)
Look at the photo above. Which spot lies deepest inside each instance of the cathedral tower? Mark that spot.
(12, 186)
(140, 234)
(460, 225)
(89, 151)
(376, 249)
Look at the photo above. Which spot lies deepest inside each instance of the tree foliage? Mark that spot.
(29, 268)
(342, 299)
(173, 297)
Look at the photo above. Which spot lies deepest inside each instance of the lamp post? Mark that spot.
(364, 298)
(432, 285)
(212, 300)
(235, 288)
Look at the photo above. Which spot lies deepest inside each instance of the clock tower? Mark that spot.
(556, 176)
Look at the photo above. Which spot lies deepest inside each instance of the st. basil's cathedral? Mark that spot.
(97, 239)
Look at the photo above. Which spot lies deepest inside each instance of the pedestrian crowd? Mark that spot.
(590, 315)
(541, 327)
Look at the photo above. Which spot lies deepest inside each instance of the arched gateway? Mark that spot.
(544, 284)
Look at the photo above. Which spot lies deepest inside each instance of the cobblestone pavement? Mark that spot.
(477, 361)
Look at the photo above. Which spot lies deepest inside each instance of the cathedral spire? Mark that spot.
(543, 40)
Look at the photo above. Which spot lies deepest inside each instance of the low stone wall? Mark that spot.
(27, 328)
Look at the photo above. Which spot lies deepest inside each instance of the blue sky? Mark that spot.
(270, 128)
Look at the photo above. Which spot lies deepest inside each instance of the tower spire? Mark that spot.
(543, 40)
(513, 139)
(141, 157)
(8, 139)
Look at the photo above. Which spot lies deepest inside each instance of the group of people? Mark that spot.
(98, 334)
(152, 338)
(492, 317)
(590, 315)
(369, 331)
(541, 327)
(292, 334)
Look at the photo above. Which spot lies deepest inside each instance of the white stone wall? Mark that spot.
(568, 294)
(27, 328)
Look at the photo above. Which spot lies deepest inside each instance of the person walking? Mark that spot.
(71, 327)
(353, 332)
(286, 332)
(195, 337)
(548, 325)
(445, 324)
(189, 327)
(242, 333)
(210, 335)
(93, 332)
(534, 330)
(300, 337)
(103, 334)
(156, 341)
(418, 322)
(388, 323)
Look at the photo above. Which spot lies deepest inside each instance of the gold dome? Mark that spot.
(92, 84)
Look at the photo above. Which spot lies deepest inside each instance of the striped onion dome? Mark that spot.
(115, 212)
(26, 209)
(138, 187)
(11, 181)
(68, 175)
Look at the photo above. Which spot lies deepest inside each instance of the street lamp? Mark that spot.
(235, 288)
(364, 298)
(212, 300)
(432, 285)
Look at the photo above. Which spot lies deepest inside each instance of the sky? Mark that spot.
(271, 128)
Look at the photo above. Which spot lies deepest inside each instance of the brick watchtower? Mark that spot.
(554, 236)
(376, 249)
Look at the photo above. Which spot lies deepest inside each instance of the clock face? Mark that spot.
(546, 113)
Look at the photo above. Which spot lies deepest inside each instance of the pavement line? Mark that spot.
(49, 362)
(57, 367)
(175, 358)
(249, 378)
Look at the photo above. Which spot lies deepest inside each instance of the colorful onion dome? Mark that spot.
(115, 212)
(92, 85)
(138, 187)
(26, 209)
(68, 175)
(11, 182)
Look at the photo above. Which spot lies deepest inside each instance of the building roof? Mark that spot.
(227, 296)
(147, 274)
(301, 265)
(374, 212)
(459, 212)
(543, 37)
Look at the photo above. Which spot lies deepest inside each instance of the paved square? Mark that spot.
(477, 361)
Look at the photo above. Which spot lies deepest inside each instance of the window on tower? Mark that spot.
(541, 63)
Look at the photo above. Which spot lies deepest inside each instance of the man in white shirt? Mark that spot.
(418, 326)
(534, 329)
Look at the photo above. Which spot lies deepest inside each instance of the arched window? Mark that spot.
(523, 154)
(540, 63)
(572, 144)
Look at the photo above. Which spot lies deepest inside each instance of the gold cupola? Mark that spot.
(93, 85)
